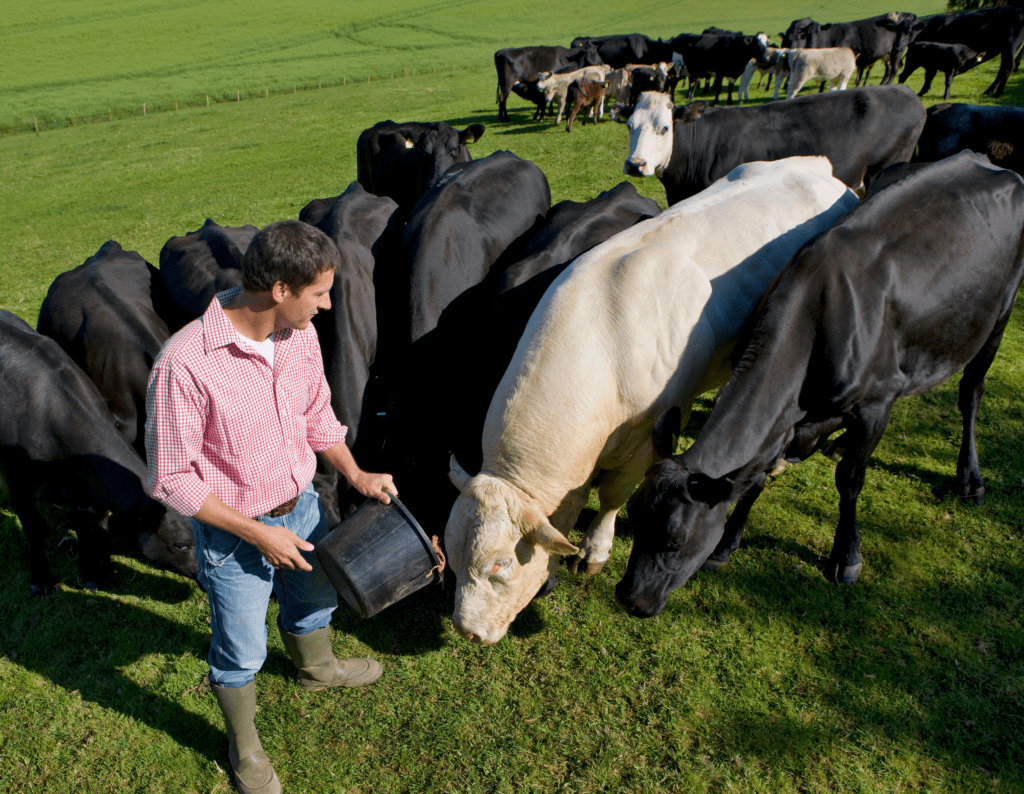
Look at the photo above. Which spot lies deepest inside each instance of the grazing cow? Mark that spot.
(484, 325)
(878, 38)
(520, 66)
(104, 315)
(865, 313)
(197, 266)
(461, 226)
(950, 59)
(994, 131)
(556, 86)
(365, 230)
(623, 340)
(860, 130)
(617, 51)
(402, 160)
(834, 65)
(991, 31)
(775, 64)
(585, 94)
(59, 443)
(725, 55)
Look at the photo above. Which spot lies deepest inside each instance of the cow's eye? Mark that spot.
(501, 567)
(663, 131)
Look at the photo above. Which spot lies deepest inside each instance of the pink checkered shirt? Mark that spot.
(220, 420)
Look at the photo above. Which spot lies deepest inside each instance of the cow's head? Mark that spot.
(650, 135)
(904, 28)
(502, 550)
(801, 33)
(443, 146)
(678, 519)
(171, 544)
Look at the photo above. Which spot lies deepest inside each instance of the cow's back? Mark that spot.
(646, 320)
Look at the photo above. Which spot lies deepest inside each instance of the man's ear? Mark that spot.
(279, 291)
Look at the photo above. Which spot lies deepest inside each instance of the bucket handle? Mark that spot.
(436, 543)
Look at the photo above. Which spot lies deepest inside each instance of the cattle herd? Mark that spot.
(524, 353)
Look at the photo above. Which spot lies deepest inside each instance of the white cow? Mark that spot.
(556, 86)
(775, 64)
(834, 65)
(634, 328)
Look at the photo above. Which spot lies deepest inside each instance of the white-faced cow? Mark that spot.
(625, 338)
(59, 444)
(867, 312)
(861, 131)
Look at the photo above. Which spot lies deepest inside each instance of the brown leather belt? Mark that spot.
(284, 509)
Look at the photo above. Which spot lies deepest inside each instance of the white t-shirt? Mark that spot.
(264, 348)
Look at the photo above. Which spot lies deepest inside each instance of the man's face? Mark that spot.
(295, 311)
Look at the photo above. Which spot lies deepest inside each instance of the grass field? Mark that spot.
(760, 678)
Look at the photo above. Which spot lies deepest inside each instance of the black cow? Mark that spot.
(647, 78)
(950, 59)
(402, 160)
(878, 38)
(861, 131)
(867, 312)
(483, 326)
(991, 31)
(461, 226)
(994, 131)
(722, 54)
(104, 314)
(618, 51)
(197, 266)
(518, 68)
(59, 444)
(364, 230)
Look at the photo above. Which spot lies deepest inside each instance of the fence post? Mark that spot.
(238, 96)
(35, 124)
(143, 108)
(207, 100)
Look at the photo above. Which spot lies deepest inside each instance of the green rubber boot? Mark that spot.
(253, 772)
(319, 668)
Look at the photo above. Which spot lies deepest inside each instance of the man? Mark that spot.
(237, 406)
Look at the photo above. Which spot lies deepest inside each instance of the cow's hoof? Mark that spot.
(578, 564)
(844, 574)
(714, 562)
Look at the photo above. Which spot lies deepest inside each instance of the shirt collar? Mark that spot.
(217, 328)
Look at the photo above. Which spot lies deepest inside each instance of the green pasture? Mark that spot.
(762, 677)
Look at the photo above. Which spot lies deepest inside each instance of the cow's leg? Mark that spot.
(972, 387)
(734, 526)
(93, 547)
(615, 488)
(1006, 66)
(561, 109)
(909, 67)
(949, 83)
(864, 430)
(929, 74)
(41, 580)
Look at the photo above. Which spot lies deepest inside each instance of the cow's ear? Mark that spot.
(457, 474)
(665, 435)
(918, 26)
(711, 491)
(826, 26)
(550, 539)
(475, 131)
(690, 112)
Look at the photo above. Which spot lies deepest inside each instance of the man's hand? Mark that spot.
(280, 547)
(376, 485)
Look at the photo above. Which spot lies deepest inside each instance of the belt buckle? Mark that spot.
(284, 508)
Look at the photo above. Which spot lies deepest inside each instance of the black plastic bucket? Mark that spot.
(377, 556)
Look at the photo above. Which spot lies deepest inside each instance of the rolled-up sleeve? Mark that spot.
(323, 430)
(175, 423)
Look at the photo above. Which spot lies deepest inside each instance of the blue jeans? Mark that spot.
(238, 582)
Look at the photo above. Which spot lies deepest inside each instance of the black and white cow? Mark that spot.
(991, 31)
(996, 131)
(402, 160)
(200, 264)
(860, 130)
(59, 444)
(878, 38)
(865, 313)
(518, 68)
(724, 55)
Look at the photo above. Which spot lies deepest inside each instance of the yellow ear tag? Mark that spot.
(408, 144)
